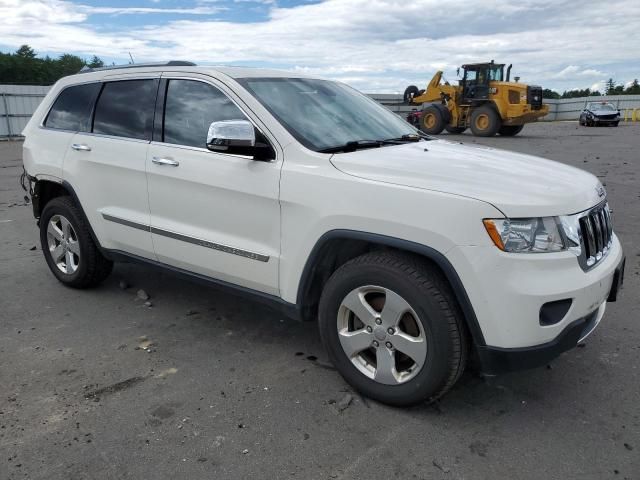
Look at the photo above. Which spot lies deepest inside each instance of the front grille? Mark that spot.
(607, 117)
(534, 97)
(596, 235)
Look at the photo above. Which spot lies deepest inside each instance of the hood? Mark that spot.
(599, 112)
(519, 185)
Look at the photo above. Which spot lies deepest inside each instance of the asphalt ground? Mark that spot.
(204, 385)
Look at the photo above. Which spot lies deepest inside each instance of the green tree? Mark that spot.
(547, 93)
(577, 93)
(25, 67)
(95, 62)
(25, 51)
(610, 87)
(633, 89)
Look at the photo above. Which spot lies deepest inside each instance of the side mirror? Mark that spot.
(229, 134)
(238, 137)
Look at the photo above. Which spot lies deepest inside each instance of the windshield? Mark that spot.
(602, 106)
(322, 114)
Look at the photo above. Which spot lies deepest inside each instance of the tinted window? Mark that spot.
(72, 108)
(191, 107)
(125, 109)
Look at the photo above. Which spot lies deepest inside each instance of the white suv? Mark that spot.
(414, 254)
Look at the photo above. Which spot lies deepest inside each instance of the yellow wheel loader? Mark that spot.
(484, 101)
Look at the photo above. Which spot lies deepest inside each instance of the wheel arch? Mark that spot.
(336, 247)
(44, 190)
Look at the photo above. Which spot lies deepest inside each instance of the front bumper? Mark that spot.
(496, 360)
(605, 121)
(507, 292)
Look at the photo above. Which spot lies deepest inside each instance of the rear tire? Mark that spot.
(429, 325)
(69, 249)
(432, 120)
(510, 130)
(455, 130)
(485, 121)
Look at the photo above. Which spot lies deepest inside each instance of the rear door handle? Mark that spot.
(165, 161)
(81, 147)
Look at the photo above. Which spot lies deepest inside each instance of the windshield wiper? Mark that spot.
(409, 137)
(354, 145)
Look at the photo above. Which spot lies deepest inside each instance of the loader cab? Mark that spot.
(476, 78)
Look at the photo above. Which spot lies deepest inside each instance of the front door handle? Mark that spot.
(81, 147)
(165, 161)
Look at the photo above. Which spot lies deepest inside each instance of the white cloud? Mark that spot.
(376, 45)
(89, 10)
(573, 71)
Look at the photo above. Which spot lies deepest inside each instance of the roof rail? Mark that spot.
(172, 63)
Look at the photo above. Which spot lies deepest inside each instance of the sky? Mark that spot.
(377, 46)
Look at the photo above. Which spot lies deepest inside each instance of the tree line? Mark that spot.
(611, 88)
(24, 67)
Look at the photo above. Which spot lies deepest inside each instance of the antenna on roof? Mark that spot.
(132, 62)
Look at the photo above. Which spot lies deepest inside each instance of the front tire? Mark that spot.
(432, 120)
(510, 130)
(393, 329)
(485, 121)
(69, 249)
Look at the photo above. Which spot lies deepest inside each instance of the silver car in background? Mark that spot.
(600, 113)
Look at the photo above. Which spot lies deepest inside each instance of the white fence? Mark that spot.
(18, 102)
(570, 108)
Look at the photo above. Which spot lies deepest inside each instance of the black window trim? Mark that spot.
(160, 115)
(50, 107)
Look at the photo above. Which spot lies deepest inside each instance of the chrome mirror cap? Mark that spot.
(228, 135)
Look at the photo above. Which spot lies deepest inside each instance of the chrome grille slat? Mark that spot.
(596, 233)
(609, 223)
(590, 240)
(595, 219)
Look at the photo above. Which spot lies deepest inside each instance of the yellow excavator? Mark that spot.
(485, 101)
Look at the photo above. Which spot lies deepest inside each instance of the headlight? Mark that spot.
(526, 235)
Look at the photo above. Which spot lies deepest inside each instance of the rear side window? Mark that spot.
(125, 109)
(191, 107)
(72, 108)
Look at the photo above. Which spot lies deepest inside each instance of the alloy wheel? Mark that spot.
(62, 241)
(381, 334)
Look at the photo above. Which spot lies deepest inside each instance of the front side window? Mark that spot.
(72, 108)
(321, 114)
(125, 109)
(191, 107)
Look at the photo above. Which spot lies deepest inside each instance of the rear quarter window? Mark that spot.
(72, 108)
